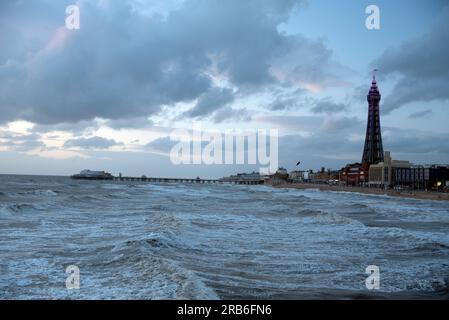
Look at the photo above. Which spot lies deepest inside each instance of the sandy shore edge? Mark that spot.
(422, 195)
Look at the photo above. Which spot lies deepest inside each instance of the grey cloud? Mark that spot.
(91, 143)
(310, 61)
(228, 113)
(123, 63)
(335, 149)
(17, 40)
(314, 124)
(422, 64)
(164, 145)
(21, 142)
(287, 100)
(281, 104)
(328, 106)
(360, 93)
(415, 142)
(420, 114)
(294, 123)
(331, 150)
(130, 123)
(211, 101)
(342, 124)
(76, 128)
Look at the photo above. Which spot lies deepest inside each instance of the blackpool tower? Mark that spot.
(373, 151)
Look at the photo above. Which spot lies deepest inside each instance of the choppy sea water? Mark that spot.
(181, 241)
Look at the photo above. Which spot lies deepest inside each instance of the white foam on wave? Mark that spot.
(334, 218)
(48, 193)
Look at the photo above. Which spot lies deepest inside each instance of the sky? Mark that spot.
(109, 95)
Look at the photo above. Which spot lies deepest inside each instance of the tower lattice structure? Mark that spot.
(373, 150)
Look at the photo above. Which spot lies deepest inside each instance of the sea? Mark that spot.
(131, 240)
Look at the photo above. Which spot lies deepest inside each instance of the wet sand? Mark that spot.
(424, 195)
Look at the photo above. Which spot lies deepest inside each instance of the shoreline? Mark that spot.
(420, 195)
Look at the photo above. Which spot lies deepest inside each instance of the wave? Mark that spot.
(225, 240)
(309, 212)
(437, 284)
(40, 192)
(358, 206)
(17, 208)
(432, 247)
(153, 242)
(84, 198)
(118, 195)
(164, 278)
(159, 207)
(47, 192)
(336, 219)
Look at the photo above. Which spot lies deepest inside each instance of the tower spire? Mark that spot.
(373, 150)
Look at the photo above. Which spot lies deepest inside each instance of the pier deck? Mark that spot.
(186, 180)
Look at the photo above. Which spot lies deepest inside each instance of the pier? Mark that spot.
(187, 180)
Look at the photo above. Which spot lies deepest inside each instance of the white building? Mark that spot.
(381, 174)
(296, 175)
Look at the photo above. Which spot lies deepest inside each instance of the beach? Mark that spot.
(417, 194)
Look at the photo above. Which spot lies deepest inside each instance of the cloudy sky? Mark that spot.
(108, 96)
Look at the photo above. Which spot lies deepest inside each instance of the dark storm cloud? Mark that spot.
(123, 63)
(423, 65)
(91, 143)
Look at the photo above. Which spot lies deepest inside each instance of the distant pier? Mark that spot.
(186, 180)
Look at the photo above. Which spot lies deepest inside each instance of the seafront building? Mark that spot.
(400, 173)
(282, 171)
(354, 174)
(253, 176)
(297, 176)
(382, 174)
(430, 177)
(324, 176)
